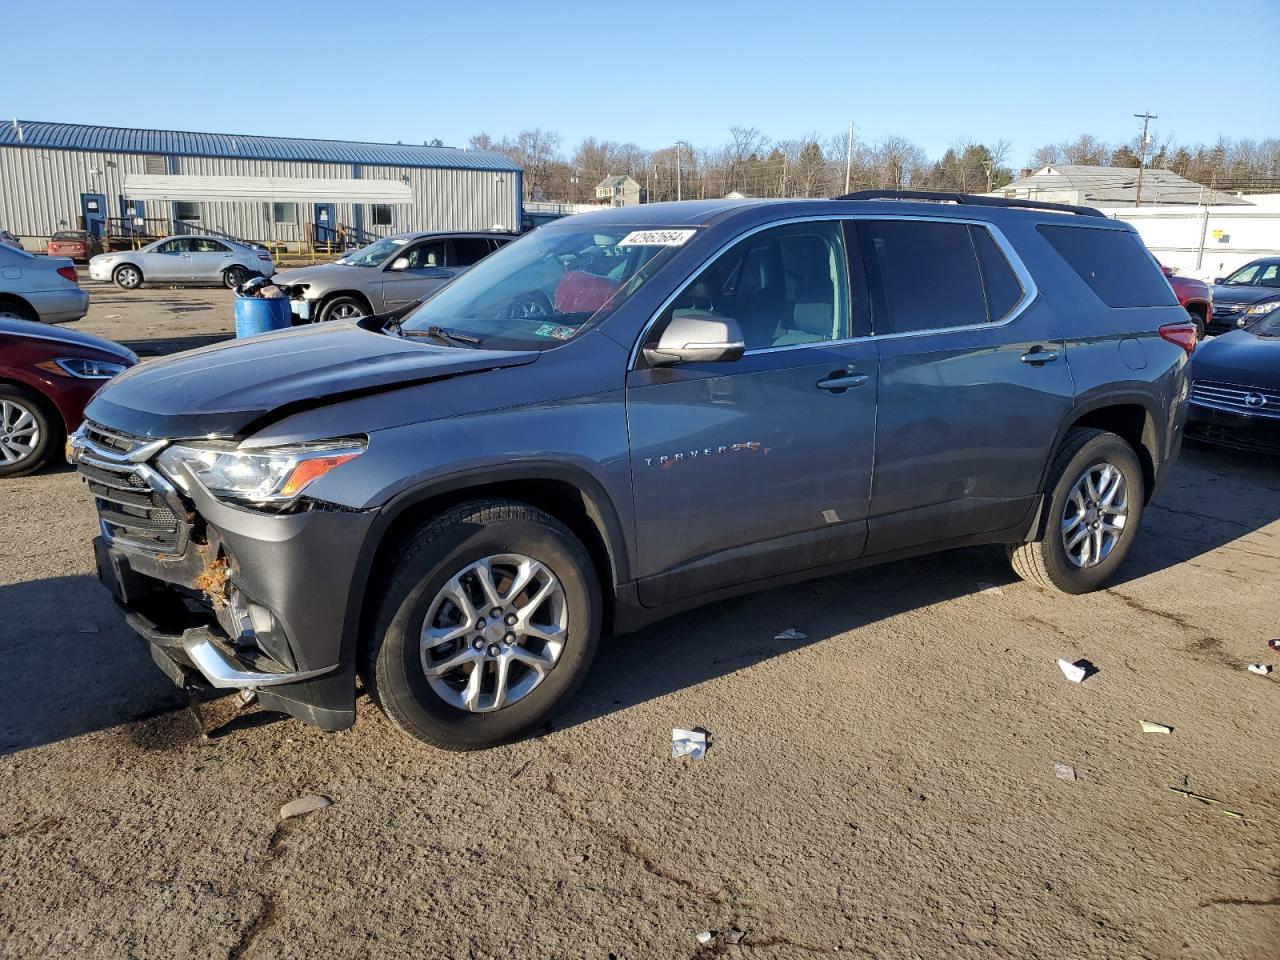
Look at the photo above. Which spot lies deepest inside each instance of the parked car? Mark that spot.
(7, 239)
(1235, 389)
(386, 275)
(39, 288)
(625, 414)
(183, 260)
(47, 375)
(76, 244)
(1248, 294)
(1195, 297)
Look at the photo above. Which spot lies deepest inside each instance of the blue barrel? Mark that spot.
(256, 315)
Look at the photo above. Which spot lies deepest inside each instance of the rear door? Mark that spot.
(209, 258)
(426, 270)
(761, 466)
(973, 381)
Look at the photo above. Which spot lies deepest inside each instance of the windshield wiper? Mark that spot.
(443, 334)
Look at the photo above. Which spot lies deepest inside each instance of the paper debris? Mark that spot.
(1064, 771)
(791, 633)
(704, 937)
(1262, 668)
(1072, 671)
(1210, 801)
(1149, 727)
(1274, 644)
(308, 804)
(735, 935)
(688, 743)
(114, 316)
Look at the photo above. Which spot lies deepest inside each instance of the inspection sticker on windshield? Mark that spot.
(656, 238)
(551, 330)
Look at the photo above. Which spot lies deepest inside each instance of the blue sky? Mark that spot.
(651, 72)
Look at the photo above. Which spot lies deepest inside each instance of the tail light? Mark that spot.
(264, 255)
(69, 273)
(1183, 334)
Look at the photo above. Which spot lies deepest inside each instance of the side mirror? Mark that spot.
(400, 263)
(697, 338)
(1218, 279)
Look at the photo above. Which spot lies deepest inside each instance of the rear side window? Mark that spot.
(469, 250)
(929, 275)
(1003, 287)
(1113, 263)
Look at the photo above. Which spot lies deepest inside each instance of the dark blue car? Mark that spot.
(622, 415)
(1246, 296)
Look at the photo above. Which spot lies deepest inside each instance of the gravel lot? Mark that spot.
(885, 788)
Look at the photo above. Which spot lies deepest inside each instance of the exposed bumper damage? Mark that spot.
(229, 598)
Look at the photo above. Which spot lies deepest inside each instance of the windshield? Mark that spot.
(1268, 326)
(548, 286)
(67, 235)
(1255, 275)
(376, 253)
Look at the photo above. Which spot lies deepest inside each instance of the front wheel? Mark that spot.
(29, 435)
(127, 277)
(1093, 504)
(343, 308)
(487, 626)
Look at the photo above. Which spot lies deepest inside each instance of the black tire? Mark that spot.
(12, 310)
(341, 304)
(1045, 561)
(1199, 322)
(441, 549)
(49, 426)
(232, 277)
(127, 276)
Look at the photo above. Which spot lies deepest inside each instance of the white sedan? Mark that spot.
(184, 259)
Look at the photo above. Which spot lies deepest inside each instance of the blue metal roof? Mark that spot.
(76, 136)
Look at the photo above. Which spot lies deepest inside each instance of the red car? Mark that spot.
(1195, 297)
(47, 376)
(76, 244)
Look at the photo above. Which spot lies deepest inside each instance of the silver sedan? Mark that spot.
(184, 259)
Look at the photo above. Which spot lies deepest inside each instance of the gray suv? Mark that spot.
(388, 275)
(622, 415)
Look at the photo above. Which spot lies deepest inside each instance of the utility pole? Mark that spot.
(848, 158)
(1146, 117)
(679, 193)
(990, 165)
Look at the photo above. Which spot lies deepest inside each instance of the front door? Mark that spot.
(93, 211)
(424, 269)
(967, 413)
(170, 260)
(324, 223)
(761, 466)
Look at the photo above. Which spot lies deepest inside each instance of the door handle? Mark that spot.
(838, 381)
(1036, 356)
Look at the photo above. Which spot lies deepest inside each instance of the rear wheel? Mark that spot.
(232, 277)
(1198, 320)
(127, 277)
(344, 307)
(487, 626)
(29, 432)
(16, 311)
(1093, 503)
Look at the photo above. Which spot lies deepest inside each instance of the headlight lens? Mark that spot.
(1262, 309)
(82, 368)
(274, 475)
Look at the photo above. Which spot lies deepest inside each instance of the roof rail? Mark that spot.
(969, 199)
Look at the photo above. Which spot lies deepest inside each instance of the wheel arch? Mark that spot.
(14, 300)
(1132, 417)
(328, 298)
(129, 263)
(572, 496)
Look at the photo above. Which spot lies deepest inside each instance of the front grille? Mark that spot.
(1233, 398)
(132, 499)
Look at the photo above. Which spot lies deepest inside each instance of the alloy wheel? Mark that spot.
(493, 632)
(127, 277)
(346, 311)
(1094, 518)
(19, 432)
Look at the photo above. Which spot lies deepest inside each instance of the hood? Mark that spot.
(225, 389)
(318, 272)
(72, 338)
(1238, 293)
(1239, 357)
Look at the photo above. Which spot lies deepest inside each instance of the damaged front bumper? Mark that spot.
(227, 597)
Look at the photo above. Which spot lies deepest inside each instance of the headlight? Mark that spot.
(274, 475)
(1261, 309)
(83, 369)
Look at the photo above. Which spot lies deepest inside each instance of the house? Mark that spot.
(619, 191)
(1091, 186)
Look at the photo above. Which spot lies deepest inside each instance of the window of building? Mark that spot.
(153, 165)
(1003, 287)
(928, 275)
(284, 213)
(186, 210)
(1113, 263)
(784, 286)
(382, 214)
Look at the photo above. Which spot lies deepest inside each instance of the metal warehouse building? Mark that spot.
(122, 182)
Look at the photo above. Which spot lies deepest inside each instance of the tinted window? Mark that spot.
(1113, 263)
(784, 286)
(1003, 289)
(205, 245)
(929, 275)
(469, 250)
